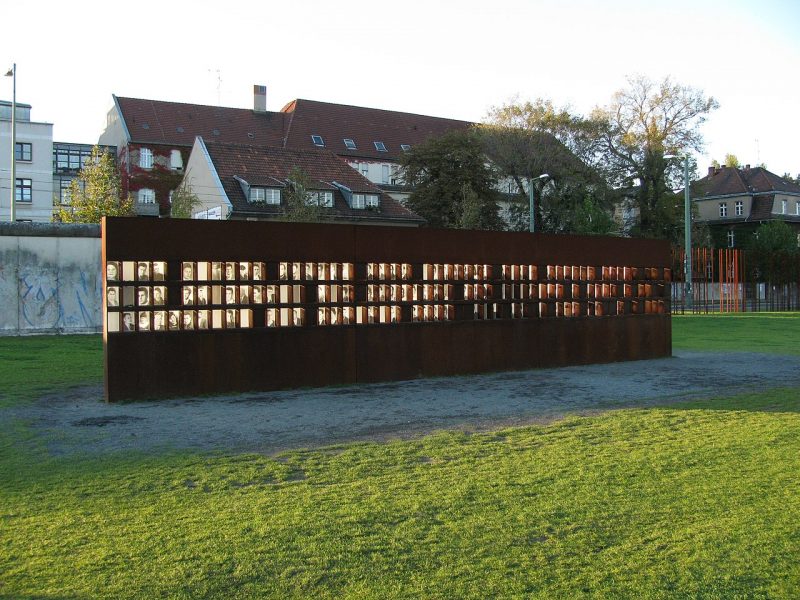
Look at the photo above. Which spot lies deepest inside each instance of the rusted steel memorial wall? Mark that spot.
(200, 307)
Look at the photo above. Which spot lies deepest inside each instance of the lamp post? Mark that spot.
(687, 234)
(532, 224)
(12, 72)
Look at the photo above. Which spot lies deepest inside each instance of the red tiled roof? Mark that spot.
(727, 181)
(178, 124)
(762, 208)
(272, 166)
(365, 126)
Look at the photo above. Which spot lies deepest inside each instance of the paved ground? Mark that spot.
(79, 421)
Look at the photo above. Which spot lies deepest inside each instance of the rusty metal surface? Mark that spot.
(150, 364)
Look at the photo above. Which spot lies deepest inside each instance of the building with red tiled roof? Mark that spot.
(734, 201)
(236, 181)
(154, 138)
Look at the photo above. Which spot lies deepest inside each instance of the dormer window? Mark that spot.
(405, 147)
(365, 201)
(260, 195)
(145, 158)
(380, 146)
(349, 144)
(320, 198)
(318, 141)
(175, 160)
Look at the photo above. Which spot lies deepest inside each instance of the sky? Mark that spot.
(448, 59)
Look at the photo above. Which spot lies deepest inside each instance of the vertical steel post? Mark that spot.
(532, 220)
(13, 185)
(687, 223)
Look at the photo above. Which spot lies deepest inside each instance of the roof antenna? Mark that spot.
(758, 153)
(219, 86)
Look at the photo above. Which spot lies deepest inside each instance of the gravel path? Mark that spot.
(79, 421)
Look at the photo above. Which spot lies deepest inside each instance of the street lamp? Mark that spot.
(532, 225)
(12, 72)
(687, 224)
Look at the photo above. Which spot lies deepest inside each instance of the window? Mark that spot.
(318, 141)
(380, 146)
(723, 209)
(24, 190)
(23, 151)
(146, 196)
(349, 144)
(265, 195)
(731, 238)
(146, 158)
(385, 173)
(64, 195)
(797, 207)
(324, 198)
(783, 206)
(395, 179)
(175, 160)
(738, 208)
(405, 147)
(365, 201)
(364, 168)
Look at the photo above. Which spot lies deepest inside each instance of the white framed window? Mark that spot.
(731, 238)
(349, 144)
(320, 198)
(783, 206)
(405, 147)
(738, 208)
(723, 209)
(260, 195)
(145, 196)
(371, 200)
(364, 168)
(797, 207)
(318, 141)
(24, 190)
(394, 178)
(145, 158)
(385, 173)
(176, 160)
(358, 201)
(380, 146)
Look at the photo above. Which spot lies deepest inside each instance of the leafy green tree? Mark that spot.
(300, 207)
(453, 183)
(772, 253)
(183, 201)
(592, 219)
(643, 122)
(731, 161)
(95, 193)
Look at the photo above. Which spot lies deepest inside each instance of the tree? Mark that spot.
(642, 123)
(772, 252)
(526, 140)
(183, 201)
(454, 185)
(96, 192)
(731, 161)
(300, 205)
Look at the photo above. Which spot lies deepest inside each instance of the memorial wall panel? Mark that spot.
(196, 307)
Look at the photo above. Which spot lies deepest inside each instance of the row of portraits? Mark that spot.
(174, 320)
(324, 271)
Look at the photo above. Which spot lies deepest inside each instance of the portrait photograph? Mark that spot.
(230, 294)
(142, 271)
(396, 314)
(272, 294)
(230, 271)
(335, 271)
(188, 319)
(113, 322)
(202, 295)
(187, 271)
(258, 294)
(348, 293)
(174, 320)
(188, 295)
(283, 271)
(370, 270)
(394, 271)
(416, 313)
(112, 271)
(244, 271)
(298, 317)
(244, 294)
(371, 293)
(128, 270)
(322, 271)
(128, 321)
(144, 321)
(272, 317)
(448, 272)
(159, 271)
(336, 315)
(323, 293)
(160, 320)
(347, 315)
(296, 270)
(216, 271)
(112, 296)
(372, 314)
(311, 271)
(405, 271)
(258, 271)
(323, 316)
(230, 318)
(142, 296)
(203, 317)
(159, 295)
(347, 271)
(383, 271)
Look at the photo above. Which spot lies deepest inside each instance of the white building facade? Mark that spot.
(33, 183)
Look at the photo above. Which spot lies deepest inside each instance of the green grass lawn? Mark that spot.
(696, 500)
(753, 332)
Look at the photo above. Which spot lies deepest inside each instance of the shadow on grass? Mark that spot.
(778, 400)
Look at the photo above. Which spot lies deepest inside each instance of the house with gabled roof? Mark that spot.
(236, 181)
(154, 138)
(734, 201)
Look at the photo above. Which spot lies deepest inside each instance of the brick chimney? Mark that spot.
(260, 98)
(711, 170)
